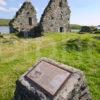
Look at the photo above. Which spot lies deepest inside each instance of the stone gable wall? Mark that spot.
(56, 16)
(21, 20)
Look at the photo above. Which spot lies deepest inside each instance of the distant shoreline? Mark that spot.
(4, 22)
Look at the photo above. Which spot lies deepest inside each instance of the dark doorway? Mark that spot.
(30, 21)
(61, 29)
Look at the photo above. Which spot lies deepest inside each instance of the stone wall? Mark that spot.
(56, 17)
(25, 19)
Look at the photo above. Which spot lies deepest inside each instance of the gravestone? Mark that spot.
(50, 80)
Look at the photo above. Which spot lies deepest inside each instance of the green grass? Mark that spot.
(17, 55)
(4, 22)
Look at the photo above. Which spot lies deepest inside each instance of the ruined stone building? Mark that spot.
(55, 18)
(25, 19)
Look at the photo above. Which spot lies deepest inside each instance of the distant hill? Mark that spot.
(75, 26)
(98, 27)
(4, 22)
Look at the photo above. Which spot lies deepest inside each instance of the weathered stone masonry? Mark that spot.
(25, 19)
(73, 88)
(56, 17)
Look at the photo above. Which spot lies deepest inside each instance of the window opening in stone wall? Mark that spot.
(61, 29)
(60, 4)
(30, 21)
(68, 20)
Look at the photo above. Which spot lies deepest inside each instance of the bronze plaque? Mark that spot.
(48, 77)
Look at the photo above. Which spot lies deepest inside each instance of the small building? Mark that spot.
(56, 17)
(24, 20)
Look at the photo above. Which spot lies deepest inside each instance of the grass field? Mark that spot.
(4, 22)
(17, 55)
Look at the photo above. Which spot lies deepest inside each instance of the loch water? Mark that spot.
(4, 30)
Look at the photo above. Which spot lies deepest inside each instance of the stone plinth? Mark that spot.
(50, 80)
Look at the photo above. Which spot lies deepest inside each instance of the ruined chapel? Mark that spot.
(55, 18)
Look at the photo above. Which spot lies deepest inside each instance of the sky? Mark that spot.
(83, 12)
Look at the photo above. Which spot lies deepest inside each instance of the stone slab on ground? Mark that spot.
(50, 80)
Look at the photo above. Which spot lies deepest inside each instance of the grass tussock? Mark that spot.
(17, 55)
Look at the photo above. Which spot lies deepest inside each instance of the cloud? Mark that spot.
(3, 2)
(4, 8)
(20, 4)
(8, 10)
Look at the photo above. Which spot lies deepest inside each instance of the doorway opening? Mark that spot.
(30, 21)
(61, 29)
